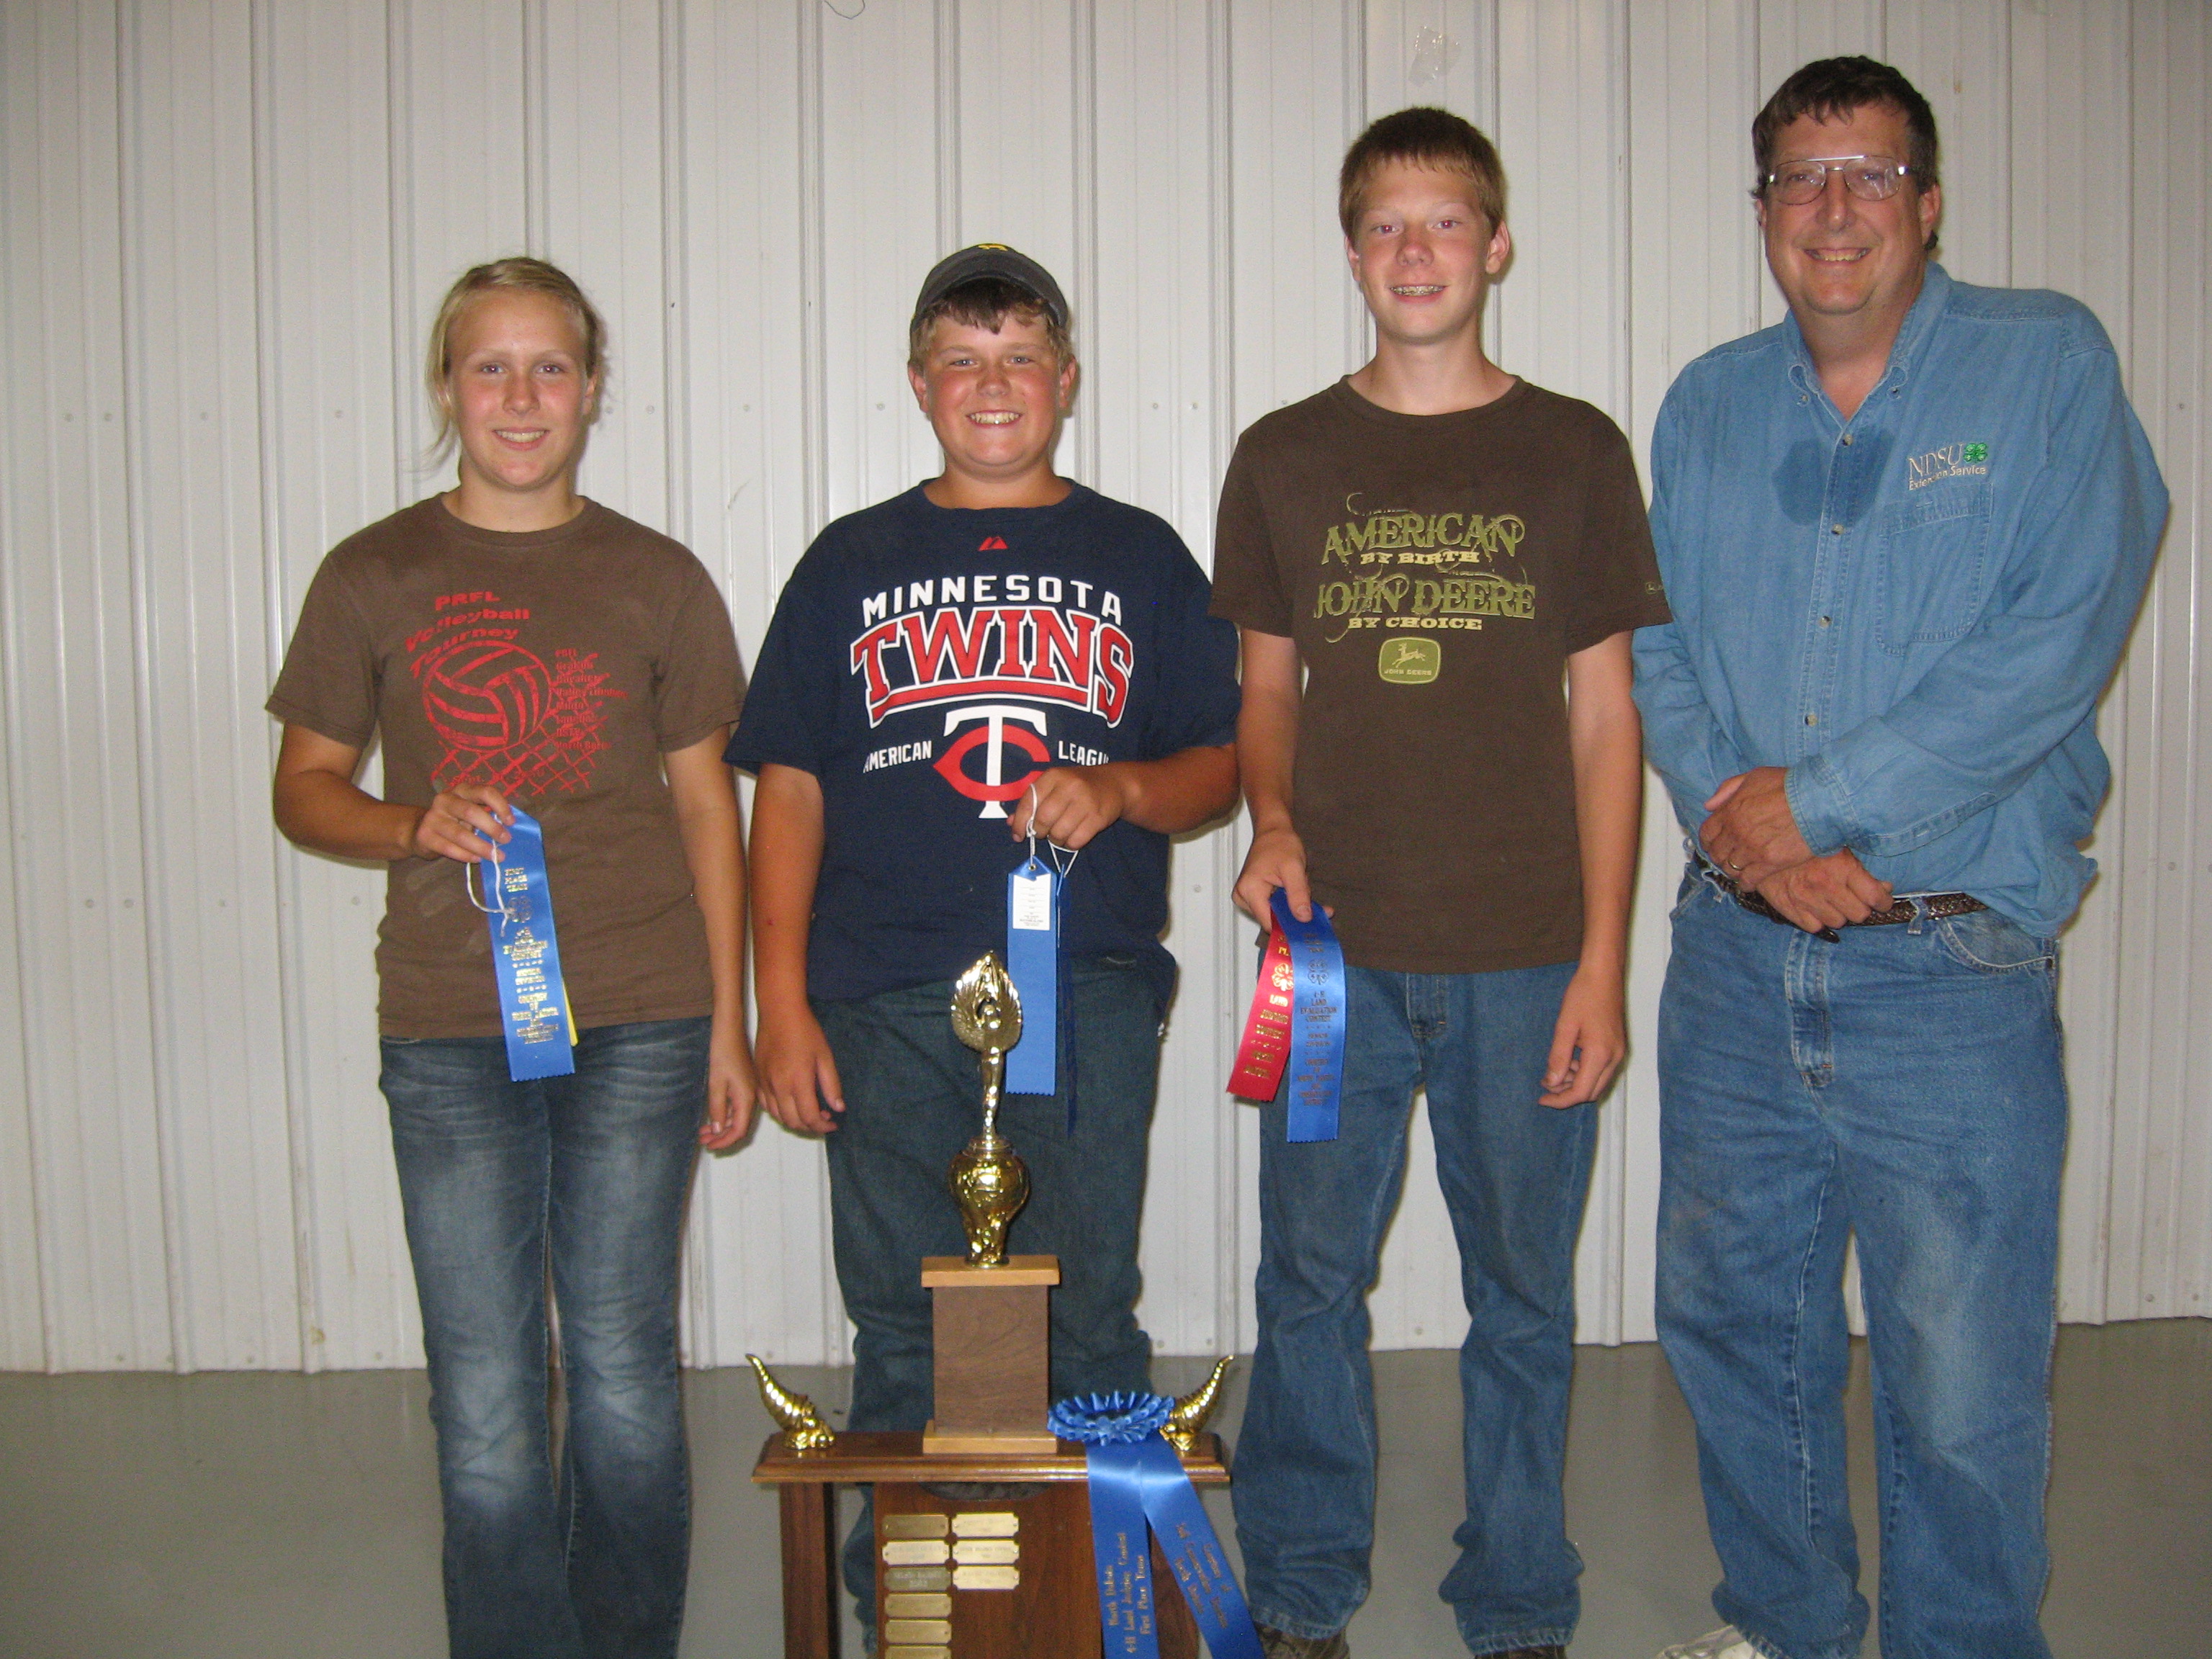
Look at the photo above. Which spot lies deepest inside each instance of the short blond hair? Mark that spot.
(520, 274)
(1424, 136)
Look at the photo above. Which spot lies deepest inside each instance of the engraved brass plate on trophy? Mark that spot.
(916, 1553)
(897, 1606)
(913, 1526)
(917, 1630)
(986, 1551)
(917, 1578)
(986, 1524)
(987, 1578)
(910, 1652)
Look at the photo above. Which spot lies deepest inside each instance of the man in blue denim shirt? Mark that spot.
(1904, 534)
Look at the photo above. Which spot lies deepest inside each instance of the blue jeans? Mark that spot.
(584, 1175)
(1903, 1084)
(913, 1099)
(1514, 1175)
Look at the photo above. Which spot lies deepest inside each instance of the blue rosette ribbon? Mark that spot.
(1138, 1487)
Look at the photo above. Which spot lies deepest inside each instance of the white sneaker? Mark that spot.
(1726, 1642)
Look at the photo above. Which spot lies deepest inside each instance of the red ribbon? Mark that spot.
(1266, 1048)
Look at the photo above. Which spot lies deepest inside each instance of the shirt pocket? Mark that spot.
(1935, 566)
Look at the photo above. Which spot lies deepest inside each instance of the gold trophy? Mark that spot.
(1016, 1576)
(990, 1182)
(989, 1317)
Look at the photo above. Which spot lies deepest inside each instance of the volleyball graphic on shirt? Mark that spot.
(484, 695)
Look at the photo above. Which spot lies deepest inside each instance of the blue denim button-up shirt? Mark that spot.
(1913, 611)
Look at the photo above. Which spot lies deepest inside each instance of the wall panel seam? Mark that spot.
(1083, 38)
(155, 957)
(537, 133)
(1612, 1314)
(2112, 825)
(276, 616)
(398, 67)
(946, 36)
(1230, 1286)
(814, 293)
(1350, 308)
(675, 268)
(12, 550)
(814, 400)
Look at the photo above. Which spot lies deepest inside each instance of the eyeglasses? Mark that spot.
(1869, 178)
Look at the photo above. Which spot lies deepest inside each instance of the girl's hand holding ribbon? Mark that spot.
(463, 823)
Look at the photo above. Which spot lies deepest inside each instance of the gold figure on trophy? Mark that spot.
(991, 1183)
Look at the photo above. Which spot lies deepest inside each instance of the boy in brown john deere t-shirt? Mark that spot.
(1432, 547)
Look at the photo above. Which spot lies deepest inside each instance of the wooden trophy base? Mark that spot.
(993, 1364)
(1006, 1576)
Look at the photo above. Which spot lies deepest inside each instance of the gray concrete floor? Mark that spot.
(243, 1515)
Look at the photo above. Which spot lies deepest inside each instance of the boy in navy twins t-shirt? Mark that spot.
(996, 652)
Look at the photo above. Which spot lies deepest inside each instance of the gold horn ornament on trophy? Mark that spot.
(990, 1182)
(795, 1413)
(1187, 1420)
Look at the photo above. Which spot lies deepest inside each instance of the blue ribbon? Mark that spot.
(1137, 1484)
(525, 956)
(1033, 963)
(1317, 997)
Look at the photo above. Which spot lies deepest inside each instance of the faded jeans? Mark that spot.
(1903, 1084)
(585, 1175)
(1515, 1174)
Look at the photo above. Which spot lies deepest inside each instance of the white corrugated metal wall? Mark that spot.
(225, 225)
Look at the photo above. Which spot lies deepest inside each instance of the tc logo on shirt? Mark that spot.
(998, 727)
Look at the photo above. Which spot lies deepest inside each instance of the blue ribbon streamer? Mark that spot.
(1315, 1080)
(1033, 963)
(1137, 1481)
(525, 956)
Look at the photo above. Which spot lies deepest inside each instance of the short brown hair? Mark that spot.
(519, 274)
(987, 302)
(1833, 89)
(1429, 137)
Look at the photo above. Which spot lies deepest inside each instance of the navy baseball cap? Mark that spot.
(992, 259)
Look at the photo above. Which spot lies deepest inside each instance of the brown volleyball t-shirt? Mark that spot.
(1437, 571)
(558, 665)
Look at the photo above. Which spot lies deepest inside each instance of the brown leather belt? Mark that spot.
(1935, 905)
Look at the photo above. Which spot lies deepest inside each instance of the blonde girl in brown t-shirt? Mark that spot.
(584, 1175)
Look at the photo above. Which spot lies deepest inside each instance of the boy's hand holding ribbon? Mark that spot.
(1068, 806)
(1297, 1021)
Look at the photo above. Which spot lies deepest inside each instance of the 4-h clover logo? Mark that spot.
(1976, 453)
